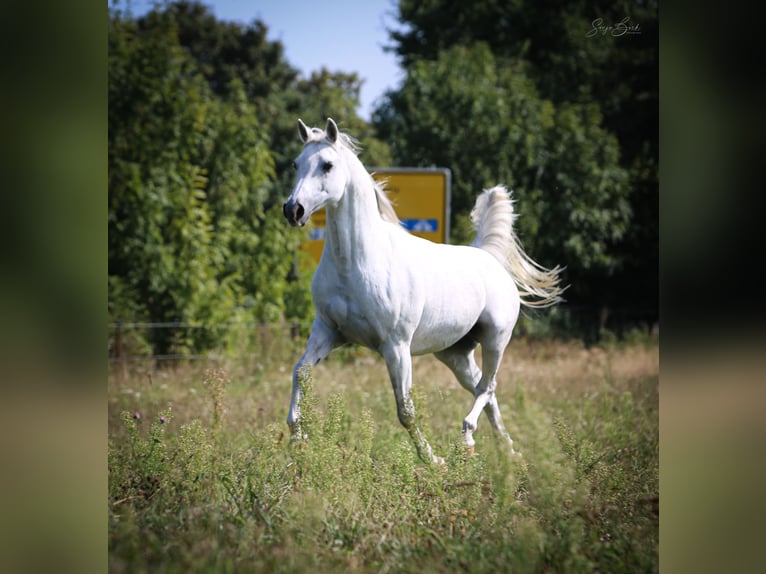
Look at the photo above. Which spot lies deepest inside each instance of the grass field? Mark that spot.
(206, 481)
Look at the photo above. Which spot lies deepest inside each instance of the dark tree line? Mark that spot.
(596, 64)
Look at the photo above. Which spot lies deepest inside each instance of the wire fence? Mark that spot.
(124, 349)
(265, 338)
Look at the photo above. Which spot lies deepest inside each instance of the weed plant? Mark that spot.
(203, 477)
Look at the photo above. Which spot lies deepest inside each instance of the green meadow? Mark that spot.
(203, 478)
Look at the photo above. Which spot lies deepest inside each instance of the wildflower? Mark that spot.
(163, 420)
(137, 416)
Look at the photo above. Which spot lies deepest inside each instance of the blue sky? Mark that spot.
(341, 35)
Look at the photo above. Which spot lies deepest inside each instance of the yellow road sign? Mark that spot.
(421, 197)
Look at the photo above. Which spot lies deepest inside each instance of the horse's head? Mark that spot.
(321, 174)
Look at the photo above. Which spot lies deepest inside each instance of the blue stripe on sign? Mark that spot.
(317, 233)
(423, 225)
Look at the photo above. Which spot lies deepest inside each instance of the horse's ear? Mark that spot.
(331, 129)
(303, 130)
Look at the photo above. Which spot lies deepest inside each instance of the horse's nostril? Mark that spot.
(293, 212)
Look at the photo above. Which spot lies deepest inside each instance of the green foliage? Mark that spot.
(557, 45)
(194, 235)
(603, 146)
(229, 51)
(202, 133)
(581, 200)
(160, 224)
(487, 122)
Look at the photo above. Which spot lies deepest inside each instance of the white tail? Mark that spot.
(493, 219)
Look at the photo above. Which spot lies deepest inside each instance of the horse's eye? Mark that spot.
(326, 166)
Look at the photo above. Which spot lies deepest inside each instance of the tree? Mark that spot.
(192, 237)
(488, 123)
(577, 54)
(225, 51)
(202, 133)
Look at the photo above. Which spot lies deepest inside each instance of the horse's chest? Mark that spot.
(362, 316)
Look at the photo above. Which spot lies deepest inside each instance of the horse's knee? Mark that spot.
(301, 371)
(406, 414)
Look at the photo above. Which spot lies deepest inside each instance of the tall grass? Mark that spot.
(204, 479)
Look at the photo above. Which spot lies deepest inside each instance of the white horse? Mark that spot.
(378, 286)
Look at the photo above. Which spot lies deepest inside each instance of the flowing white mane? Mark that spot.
(345, 141)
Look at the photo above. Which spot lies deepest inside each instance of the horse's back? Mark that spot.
(455, 266)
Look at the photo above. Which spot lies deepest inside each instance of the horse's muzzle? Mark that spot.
(294, 213)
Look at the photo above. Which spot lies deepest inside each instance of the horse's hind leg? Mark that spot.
(483, 393)
(493, 414)
(461, 362)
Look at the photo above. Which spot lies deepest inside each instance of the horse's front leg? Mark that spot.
(322, 340)
(399, 363)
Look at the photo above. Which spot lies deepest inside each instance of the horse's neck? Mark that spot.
(354, 226)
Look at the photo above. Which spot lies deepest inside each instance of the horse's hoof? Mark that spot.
(470, 451)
